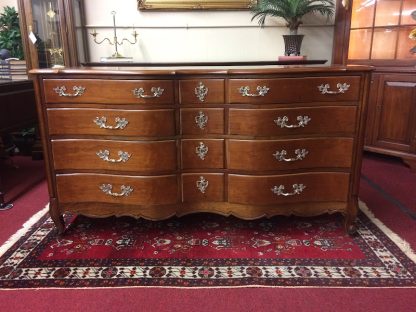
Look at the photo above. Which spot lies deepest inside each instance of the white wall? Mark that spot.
(11, 3)
(199, 35)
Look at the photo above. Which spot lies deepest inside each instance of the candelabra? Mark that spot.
(115, 42)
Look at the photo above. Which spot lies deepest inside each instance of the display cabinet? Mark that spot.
(52, 32)
(377, 33)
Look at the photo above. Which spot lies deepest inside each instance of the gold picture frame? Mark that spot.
(195, 4)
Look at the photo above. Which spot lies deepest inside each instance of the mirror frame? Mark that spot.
(195, 4)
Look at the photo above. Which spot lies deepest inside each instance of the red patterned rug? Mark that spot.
(205, 250)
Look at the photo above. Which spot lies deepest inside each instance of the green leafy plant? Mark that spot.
(292, 11)
(10, 37)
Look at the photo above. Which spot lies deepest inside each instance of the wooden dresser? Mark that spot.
(250, 142)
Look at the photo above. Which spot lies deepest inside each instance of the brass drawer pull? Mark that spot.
(300, 154)
(302, 122)
(62, 91)
(297, 189)
(201, 92)
(261, 91)
(201, 150)
(342, 87)
(121, 123)
(202, 184)
(126, 190)
(104, 155)
(156, 92)
(201, 120)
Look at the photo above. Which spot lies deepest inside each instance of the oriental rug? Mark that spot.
(205, 250)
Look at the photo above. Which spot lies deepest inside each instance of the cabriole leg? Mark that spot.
(56, 216)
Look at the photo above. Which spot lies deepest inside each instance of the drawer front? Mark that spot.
(264, 190)
(202, 121)
(203, 187)
(103, 188)
(208, 91)
(266, 155)
(204, 153)
(114, 155)
(293, 121)
(108, 91)
(72, 121)
(289, 90)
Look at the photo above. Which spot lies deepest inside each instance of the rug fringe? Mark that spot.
(401, 243)
(187, 288)
(25, 227)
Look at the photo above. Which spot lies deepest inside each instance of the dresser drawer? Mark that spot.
(202, 121)
(203, 153)
(114, 155)
(293, 121)
(266, 155)
(294, 90)
(72, 121)
(103, 188)
(108, 91)
(208, 91)
(265, 190)
(202, 187)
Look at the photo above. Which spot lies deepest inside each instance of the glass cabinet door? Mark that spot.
(380, 30)
(47, 29)
(49, 32)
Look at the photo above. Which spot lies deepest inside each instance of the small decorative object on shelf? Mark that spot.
(292, 11)
(412, 34)
(116, 57)
(57, 57)
(292, 58)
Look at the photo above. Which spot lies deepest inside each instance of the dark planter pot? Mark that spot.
(292, 44)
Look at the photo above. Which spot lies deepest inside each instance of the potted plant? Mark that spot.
(292, 11)
(10, 37)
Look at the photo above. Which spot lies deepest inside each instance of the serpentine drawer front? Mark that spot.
(114, 155)
(266, 155)
(202, 120)
(294, 90)
(206, 91)
(117, 189)
(275, 189)
(95, 121)
(108, 91)
(293, 121)
(247, 142)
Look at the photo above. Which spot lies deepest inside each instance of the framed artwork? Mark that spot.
(195, 4)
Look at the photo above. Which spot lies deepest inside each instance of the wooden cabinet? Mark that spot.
(391, 127)
(53, 33)
(17, 111)
(377, 34)
(247, 142)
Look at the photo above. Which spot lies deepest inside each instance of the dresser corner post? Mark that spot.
(56, 216)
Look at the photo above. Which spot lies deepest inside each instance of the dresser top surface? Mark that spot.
(204, 70)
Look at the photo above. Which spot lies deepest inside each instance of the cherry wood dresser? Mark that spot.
(249, 142)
